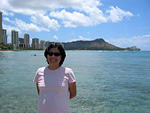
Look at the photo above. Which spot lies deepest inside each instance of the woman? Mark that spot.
(55, 84)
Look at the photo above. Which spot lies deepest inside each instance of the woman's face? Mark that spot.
(54, 57)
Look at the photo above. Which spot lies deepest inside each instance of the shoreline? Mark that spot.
(67, 50)
(17, 50)
(5, 50)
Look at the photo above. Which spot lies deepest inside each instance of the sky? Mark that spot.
(123, 23)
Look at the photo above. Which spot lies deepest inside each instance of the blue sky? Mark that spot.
(123, 23)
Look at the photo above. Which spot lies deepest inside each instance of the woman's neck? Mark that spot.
(53, 67)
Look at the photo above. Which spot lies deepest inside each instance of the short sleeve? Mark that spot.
(36, 78)
(71, 76)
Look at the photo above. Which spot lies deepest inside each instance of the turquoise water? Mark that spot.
(107, 81)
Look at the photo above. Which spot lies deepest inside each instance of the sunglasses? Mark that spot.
(55, 53)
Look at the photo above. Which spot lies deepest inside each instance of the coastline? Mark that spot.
(5, 50)
(67, 50)
(18, 50)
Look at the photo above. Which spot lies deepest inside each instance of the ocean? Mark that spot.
(107, 81)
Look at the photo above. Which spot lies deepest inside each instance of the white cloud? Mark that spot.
(25, 26)
(20, 26)
(72, 13)
(17, 6)
(88, 33)
(86, 13)
(28, 27)
(49, 4)
(45, 22)
(117, 14)
(75, 18)
(8, 20)
(142, 42)
(71, 19)
(35, 6)
(80, 38)
(4, 5)
(40, 23)
(7, 13)
(55, 37)
(95, 14)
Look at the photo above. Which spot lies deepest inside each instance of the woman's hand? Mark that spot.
(38, 90)
(72, 89)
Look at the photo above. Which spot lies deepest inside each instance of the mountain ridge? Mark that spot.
(97, 44)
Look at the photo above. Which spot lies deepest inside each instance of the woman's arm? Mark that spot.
(72, 89)
(38, 90)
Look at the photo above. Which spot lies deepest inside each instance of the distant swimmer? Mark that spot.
(33, 54)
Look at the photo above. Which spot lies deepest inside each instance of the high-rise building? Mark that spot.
(14, 38)
(35, 43)
(4, 36)
(27, 40)
(1, 36)
(47, 43)
(42, 44)
(21, 43)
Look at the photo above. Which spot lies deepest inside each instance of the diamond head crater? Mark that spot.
(97, 44)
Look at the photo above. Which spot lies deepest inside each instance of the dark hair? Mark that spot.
(60, 48)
